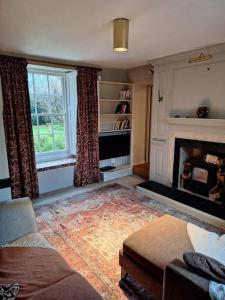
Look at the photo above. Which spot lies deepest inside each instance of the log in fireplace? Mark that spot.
(199, 168)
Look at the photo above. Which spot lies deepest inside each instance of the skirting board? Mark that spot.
(184, 208)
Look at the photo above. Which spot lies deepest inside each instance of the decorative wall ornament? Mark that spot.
(200, 58)
(202, 112)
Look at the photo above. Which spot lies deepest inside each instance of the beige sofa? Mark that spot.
(28, 259)
(18, 224)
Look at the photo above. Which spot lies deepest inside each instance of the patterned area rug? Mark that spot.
(88, 230)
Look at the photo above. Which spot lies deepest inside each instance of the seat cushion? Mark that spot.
(43, 274)
(30, 240)
(158, 243)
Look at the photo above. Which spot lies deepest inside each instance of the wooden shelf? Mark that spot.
(114, 100)
(116, 114)
(114, 82)
(115, 130)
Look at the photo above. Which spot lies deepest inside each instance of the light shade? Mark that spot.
(120, 34)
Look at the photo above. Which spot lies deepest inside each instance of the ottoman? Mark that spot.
(147, 251)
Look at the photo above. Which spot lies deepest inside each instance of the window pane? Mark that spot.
(56, 104)
(36, 144)
(46, 143)
(32, 103)
(42, 104)
(45, 126)
(30, 83)
(41, 84)
(55, 85)
(44, 120)
(34, 125)
(59, 141)
(58, 124)
(34, 120)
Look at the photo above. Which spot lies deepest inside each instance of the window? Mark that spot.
(51, 103)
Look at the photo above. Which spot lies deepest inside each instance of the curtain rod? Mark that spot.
(61, 65)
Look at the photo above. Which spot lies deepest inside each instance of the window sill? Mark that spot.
(55, 164)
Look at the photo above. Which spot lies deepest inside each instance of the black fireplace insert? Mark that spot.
(199, 167)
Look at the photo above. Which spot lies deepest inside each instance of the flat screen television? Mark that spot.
(111, 146)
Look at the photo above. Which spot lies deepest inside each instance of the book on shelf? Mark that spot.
(121, 125)
(125, 94)
(125, 124)
(122, 108)
(117, 125)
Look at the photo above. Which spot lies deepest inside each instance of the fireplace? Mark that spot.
(199, 168)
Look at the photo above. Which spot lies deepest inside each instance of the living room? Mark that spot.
(112, 156)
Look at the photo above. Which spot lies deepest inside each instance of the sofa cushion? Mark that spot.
(43, 274)
(17, 219)
(158, 243)
(30, 240)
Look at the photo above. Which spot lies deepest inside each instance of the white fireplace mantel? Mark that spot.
(219, 123)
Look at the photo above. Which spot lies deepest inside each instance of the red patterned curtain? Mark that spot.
(87, 170)
(18, 127)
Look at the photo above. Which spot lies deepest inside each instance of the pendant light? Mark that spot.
(120, 34)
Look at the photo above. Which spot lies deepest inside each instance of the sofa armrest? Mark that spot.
(17, 219)
(181, 284)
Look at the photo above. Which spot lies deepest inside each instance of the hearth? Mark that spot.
(199, 168)
(193, 200)
(198, 177)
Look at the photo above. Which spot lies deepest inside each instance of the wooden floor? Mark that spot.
(142, 171)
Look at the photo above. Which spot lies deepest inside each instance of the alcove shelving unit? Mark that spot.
(109, 99)
(113, 121)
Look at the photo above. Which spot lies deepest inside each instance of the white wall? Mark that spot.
(142, 77)
(4, 172)
(140, 106)
(199, 85)
(56, 179)
(109, 74)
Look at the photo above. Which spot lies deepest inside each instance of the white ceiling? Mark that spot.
(81, 30)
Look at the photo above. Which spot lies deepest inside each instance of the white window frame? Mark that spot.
(60, 154)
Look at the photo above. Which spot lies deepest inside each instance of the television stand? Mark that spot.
(117, 172)
(107, 168)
